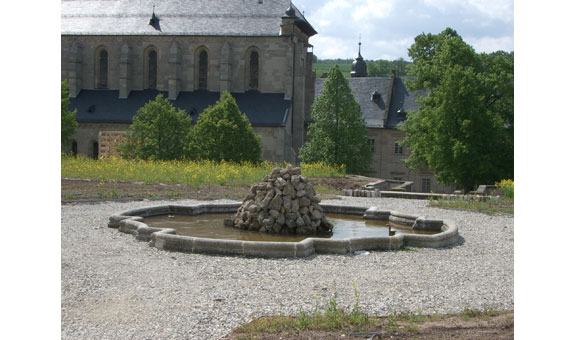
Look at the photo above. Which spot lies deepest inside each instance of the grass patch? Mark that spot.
(490, 206)
(332, 317)
(193, 173)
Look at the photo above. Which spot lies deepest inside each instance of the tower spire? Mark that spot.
(359, 52)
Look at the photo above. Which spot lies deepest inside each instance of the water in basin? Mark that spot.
(212, 226)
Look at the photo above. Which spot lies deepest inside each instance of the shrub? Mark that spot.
(507, 187)
(223, 133)
(158, 132)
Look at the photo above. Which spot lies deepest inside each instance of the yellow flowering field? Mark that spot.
(182, 172)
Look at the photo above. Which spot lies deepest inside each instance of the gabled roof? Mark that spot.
(362, 88)
(402, 100)
(176, 17)
(373, 111)
(104, 106)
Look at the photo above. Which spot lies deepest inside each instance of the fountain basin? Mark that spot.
(132, 222)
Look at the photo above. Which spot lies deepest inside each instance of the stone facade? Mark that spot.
(284, 62)
(387, 163)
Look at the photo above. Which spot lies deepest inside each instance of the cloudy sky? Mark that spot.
(388, 27)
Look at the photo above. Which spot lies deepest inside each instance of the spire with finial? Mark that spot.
(359, 67)
(154, 21)
(359, 52)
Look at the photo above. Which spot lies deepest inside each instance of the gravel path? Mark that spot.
(114, 287)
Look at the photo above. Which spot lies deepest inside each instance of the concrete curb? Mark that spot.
(131, 222)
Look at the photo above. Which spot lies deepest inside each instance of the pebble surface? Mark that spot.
(114, 287)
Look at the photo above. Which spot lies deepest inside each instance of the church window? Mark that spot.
(253, 83)
(203, 70)
(425, 185)
(398, 149)
(102, 70)
(152, 69)
(371, 144)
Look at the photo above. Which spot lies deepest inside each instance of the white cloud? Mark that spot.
(491, 44)
(388, 27)
(492, 9)
(372, 9)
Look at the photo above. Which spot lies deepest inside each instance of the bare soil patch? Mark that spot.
(496, 326)
(90, 189)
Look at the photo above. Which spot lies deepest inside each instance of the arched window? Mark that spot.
(152, 69)
(253, 82)
(102, 70)
(203, 70)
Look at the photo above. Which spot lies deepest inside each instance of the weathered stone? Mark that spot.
(294, 180)
(280, 183)
(276, 203)
(316, 215)
(281, 219)
(283, 202)
(306, 220)
(299, 222)
(304, 202)
(290, 224)
(289, 190)
(294, 205)
(276, 228)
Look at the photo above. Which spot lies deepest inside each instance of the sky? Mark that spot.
(388, 27)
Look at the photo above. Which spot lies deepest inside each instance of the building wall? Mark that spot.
(87, 134)
(284, 67)
(387, 164)
(275, 140)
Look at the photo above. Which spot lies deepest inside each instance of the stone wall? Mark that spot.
(387, 164)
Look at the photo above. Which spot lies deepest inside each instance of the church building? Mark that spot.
(384, 102)
(119, 54)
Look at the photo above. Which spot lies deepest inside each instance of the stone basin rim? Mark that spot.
(131, 222)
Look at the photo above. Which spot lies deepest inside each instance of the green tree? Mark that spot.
(463, 129)
(68, 118)
(338, 134)
(222, 132)
(158, 132)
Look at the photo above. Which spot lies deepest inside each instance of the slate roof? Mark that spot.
(177, 17)
(104, 106)
(374, 111)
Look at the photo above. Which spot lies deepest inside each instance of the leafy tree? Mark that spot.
(338, 134)
(383, 68)
(224, 133)
(463, 129)
(158, 132)
(68, 118)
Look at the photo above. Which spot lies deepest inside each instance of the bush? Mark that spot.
(507, 187)
(223, 133)
(158, 132)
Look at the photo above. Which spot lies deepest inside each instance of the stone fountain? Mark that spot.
(284, 202)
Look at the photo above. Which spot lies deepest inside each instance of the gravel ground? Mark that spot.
(114, 287)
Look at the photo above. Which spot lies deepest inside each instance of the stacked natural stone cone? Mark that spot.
(283, 203)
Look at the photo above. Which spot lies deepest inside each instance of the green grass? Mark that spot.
(319, 69)
(490, 206)
(194, 173)
(332, 317)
